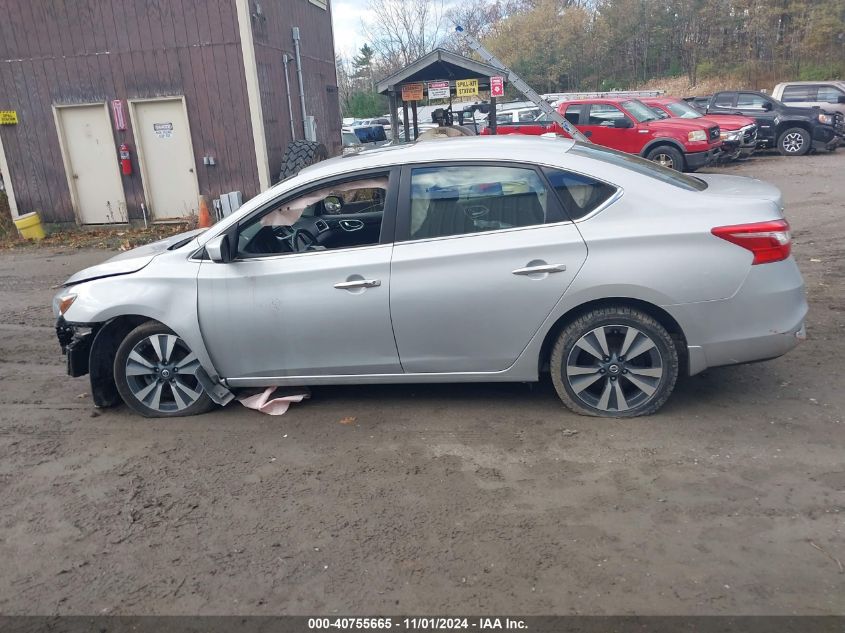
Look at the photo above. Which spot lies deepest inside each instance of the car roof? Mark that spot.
(608, 100)
(510, 147)
(810, 83)
(659, 100)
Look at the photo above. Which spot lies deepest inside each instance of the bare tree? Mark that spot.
(402, 31)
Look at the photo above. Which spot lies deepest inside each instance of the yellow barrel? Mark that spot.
(29, 226)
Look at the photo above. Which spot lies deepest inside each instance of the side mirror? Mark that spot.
(767, 106)
(332, 204)
(218, 249)
(624, 122)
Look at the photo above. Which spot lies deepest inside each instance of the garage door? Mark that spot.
(91, 161)
(167, 157)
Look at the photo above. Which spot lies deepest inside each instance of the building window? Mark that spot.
(323, 4)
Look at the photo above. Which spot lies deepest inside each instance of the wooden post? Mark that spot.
(394, 117)
(416, 122)
(405, 121)
(492, 115)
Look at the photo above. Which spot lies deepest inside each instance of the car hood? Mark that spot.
(724, 185)
(132, 260)
(679, 125)
(727, 121)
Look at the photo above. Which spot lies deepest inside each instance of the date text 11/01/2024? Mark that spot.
(420, 624)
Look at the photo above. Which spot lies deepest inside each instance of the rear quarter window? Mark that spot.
(580, 195)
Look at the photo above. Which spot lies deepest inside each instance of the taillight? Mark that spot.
(769, 241)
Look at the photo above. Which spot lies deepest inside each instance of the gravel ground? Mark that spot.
(435, 499)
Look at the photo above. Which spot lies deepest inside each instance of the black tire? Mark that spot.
(126, 390)
(300, 154)
(614, 373)
(794, 141)
(667, 156)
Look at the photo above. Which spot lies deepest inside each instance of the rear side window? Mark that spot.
(579, 195)
(797, 94)
(473, 199)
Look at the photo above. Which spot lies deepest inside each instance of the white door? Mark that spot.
(91, 161)
(167, 157)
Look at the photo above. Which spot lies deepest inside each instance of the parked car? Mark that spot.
(631, 126)
(368, 135)
(828, 95)
(792, 131)
(738, 133)
(519, 115)
(465, 260)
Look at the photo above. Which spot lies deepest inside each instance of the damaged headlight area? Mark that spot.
(61, 303)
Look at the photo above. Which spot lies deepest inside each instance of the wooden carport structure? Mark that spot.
(438, 65)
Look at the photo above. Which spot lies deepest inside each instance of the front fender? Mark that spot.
(663, 140)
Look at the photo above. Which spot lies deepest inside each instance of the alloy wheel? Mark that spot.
(793, 142)
(161, 373)
(664, 160)
(614, 368)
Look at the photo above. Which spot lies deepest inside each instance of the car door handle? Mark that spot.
(534, 270)
(358, 283)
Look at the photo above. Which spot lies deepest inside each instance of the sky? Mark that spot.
(348, 17)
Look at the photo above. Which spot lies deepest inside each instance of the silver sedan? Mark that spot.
(466, 260)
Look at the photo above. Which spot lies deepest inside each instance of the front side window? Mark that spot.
(474, 199)
(751, 101)
(341, 215)
(830, 94)
(572, 114)
(605, 115)
(640, 111)
(724, 100)
(579, 194)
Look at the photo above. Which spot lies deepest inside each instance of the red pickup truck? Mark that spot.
(630, 126)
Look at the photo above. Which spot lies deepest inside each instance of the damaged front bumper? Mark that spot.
(76, 346)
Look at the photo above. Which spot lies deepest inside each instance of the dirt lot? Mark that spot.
(437, 499)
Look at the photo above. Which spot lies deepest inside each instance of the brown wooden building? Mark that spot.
(196, 90)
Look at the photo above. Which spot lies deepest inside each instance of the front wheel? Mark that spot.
(794, 142)
(614, 362)
(155, 373)
(667, 156)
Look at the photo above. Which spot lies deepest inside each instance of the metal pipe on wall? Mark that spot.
(286, 61)
(295, 32)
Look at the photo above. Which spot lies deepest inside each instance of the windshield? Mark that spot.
(683, 110)
(640, 111)
(639, 165)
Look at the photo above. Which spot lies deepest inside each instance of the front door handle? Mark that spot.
(358, 283)
(535, 270)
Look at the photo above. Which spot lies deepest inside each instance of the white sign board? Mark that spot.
(438, 89)
(163, 130)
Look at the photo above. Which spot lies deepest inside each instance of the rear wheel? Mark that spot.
(155, 374)
(667, 156)
(794, 142)
(614, 362)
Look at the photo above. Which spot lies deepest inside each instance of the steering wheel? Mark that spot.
(300, 240)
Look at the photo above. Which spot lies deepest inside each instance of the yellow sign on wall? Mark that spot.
(412, 92)
(8, 117)
(466, 87)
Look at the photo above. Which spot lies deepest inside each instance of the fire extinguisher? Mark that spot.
(125, 160)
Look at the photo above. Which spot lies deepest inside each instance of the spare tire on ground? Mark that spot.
(300, 154)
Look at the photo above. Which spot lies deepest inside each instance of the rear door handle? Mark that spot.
(534, 270)
(358, 283)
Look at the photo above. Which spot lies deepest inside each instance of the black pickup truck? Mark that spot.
(793, 131)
